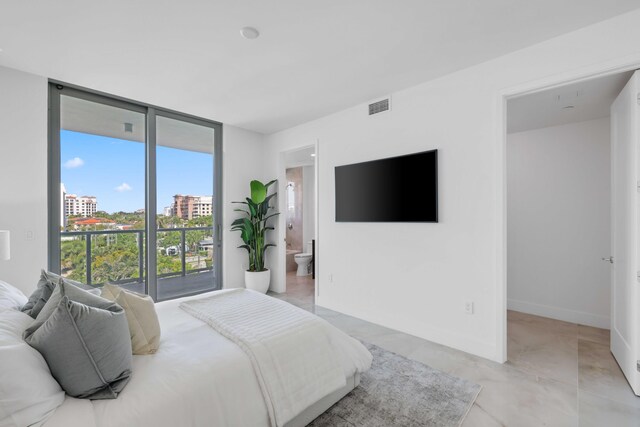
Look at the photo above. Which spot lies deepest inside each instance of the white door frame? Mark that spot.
(282, 229)
(574, 76)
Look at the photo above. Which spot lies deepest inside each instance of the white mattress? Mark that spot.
(196, 378)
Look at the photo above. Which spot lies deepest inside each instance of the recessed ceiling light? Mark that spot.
(313, 154)
(249, 33)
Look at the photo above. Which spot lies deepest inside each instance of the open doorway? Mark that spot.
(300, 223)
(561, 204)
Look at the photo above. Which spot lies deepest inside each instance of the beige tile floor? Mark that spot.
(558, 373)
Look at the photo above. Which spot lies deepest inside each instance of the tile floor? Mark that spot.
(558, 373)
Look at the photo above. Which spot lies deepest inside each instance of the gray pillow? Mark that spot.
(44, 289)
(88, 349)
(62, 289)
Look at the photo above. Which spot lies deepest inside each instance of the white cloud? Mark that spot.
(76, 162)
(123, 187)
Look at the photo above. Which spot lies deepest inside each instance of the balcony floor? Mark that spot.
(175, 287)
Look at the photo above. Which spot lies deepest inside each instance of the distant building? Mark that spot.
(63, 206)
(77, 223)
(206, 245)
(190, 207)
(168, 211)
(84, 206)
(203, 206)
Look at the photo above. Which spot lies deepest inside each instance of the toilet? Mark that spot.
(303, 260)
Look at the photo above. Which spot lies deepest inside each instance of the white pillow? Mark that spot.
(11, 297)
(12, 325)
(28, 392)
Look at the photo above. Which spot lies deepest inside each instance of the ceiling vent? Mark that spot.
(379, 106)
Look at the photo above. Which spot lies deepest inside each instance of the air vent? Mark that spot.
(379, 107)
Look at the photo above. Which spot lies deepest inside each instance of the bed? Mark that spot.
(199, 378)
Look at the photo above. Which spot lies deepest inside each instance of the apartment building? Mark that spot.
(190, 207)
(85, 206)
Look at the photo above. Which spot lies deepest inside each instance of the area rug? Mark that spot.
(397, 391)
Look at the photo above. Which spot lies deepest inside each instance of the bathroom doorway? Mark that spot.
(300, 224)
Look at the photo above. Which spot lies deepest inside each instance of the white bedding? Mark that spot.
(197, 378)
(290, 349)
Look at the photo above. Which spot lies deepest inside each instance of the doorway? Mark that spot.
(299, 217)
(563, 161)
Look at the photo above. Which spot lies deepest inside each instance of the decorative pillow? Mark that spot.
(110, 291)
(28, 392)
(11, 297)
(39, 297)
(85, 340)
(74, 293)
(44, 289)
(144, 326)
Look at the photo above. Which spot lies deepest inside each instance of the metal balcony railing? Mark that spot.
(88, 235)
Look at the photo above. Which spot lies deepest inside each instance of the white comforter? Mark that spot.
(197, 378)
(291, 349)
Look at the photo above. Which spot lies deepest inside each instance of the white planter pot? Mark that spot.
(257, 280)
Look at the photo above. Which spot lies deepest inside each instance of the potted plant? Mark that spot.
(253, 227)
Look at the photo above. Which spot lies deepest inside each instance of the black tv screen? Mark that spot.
(398, 189)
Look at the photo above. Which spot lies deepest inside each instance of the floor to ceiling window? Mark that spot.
(134, 195)
(185, 193)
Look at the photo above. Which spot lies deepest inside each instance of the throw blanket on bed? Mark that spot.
(289, 348)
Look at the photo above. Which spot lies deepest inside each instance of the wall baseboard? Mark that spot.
(558, 313)
(468, 344)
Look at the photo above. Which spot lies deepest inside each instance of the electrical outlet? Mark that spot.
(331, 278)
(28, 236)
(468, 307)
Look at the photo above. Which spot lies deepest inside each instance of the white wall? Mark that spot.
(243, 162)
(416, 277)
(23, 175)
(558, 218)
(309, 206)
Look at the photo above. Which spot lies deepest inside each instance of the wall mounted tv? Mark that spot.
(398, 189)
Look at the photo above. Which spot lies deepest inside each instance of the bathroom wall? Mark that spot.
(294, 216)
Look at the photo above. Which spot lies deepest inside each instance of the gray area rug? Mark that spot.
(397, 391)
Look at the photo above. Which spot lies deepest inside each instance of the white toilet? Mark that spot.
(303, 260)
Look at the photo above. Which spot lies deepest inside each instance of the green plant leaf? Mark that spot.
(253, 208)
(253, 225)
(258, 192)
(270, 216)
(268, 198)
(239, 221)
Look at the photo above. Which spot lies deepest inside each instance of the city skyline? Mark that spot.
(113, 171)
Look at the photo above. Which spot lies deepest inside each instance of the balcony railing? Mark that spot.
(88, 236)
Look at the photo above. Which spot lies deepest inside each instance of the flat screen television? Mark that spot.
(398, 189)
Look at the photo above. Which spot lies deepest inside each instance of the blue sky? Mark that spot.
(113, 171)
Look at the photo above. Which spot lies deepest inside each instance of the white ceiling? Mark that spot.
(312, 58)
(576, 102)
